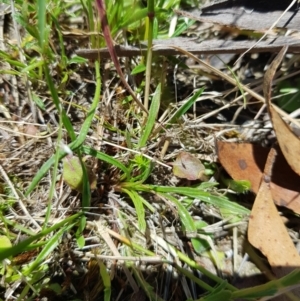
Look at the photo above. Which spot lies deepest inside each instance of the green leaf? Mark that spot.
(65, 119)
(134, 17)
(77, 142)
(289, 93)
(240, 186)
(154, 108)
(186, 106)
(106, 158)
(76, 59)
(139, 207)
(138, 69)
(200, 224)
(183, 27)
(217, 295)
(4, 242)
(219, 201)
(80, 241)
(106, 281)
(192, 192)
(79, 237)
(45, 252)
(207, 185)
(42, 21)
(188, 223)
(38, 101)
(24, 245)
(73, 173)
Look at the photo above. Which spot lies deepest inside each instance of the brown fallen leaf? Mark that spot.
(246, 161)
(188, 167)
(266, 230)
(288, 141)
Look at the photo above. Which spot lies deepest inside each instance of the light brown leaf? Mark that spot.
(288, 141)
(246, 161)
(188, 167)
(266, 230)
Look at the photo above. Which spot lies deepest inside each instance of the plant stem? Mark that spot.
(151, 16)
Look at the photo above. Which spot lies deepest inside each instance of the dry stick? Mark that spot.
(268, 31)
(112, 51)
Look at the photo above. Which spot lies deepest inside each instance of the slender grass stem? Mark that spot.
(149, 32)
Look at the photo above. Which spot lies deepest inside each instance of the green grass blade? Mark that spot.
(79, 233)
(196, 193)
(42, 171)
(22, 246)
(271, 288)
(87, 150)
(135, 17)
(183, 109)
(86, 191)
(87, 123)
(15, 225)
(185, 217)
(65, 119)
(42, 21)
(187, 222)
(195, 279)
(106, 158)
(219, 201)
(154, 108)
(139, 207)
(43, 254)
(147, 288)
(106, 281)
(77, 142)
(183, 27)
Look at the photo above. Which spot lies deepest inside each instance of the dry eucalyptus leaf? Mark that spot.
(188, 167)
(246, 161)
(266, 230)
(243, 161)
(73, 173)
(288, 141)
